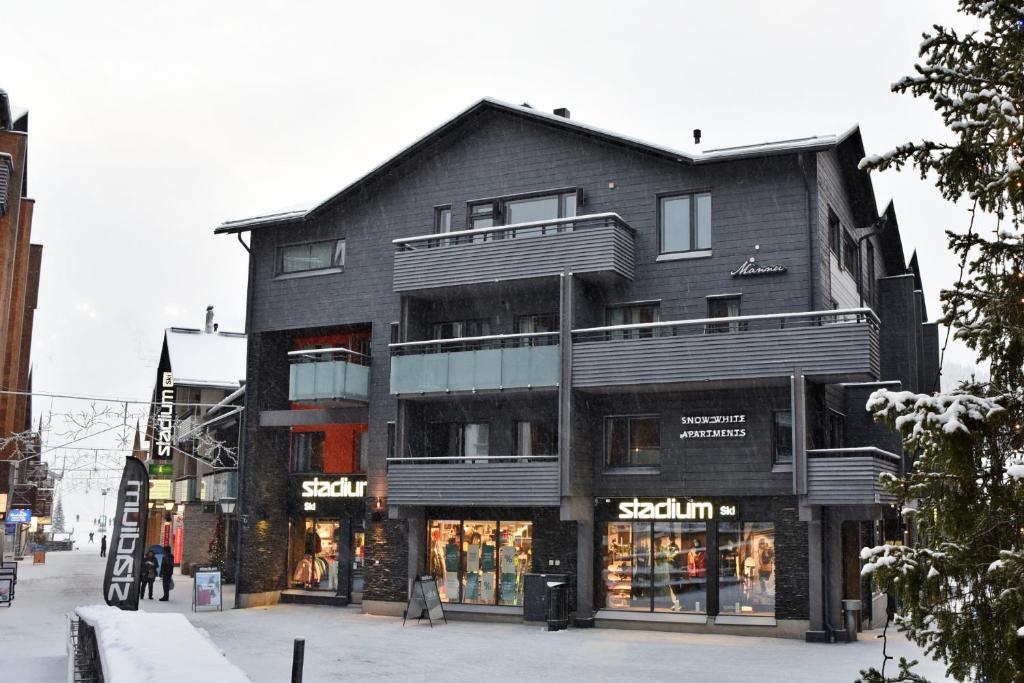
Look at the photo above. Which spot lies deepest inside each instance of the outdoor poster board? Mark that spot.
(206, 590)
(6, 589)
(424, 597)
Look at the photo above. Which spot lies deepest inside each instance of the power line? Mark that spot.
(101, 399)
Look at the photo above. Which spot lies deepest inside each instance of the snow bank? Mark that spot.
(143, 646)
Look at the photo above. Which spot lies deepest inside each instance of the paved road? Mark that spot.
(343, 644)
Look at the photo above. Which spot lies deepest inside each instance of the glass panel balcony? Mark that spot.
(328, 375)
(593, 244)
(828, 346)
(498, 362)
(849, 476)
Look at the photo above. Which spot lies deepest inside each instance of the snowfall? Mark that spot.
(344, 644)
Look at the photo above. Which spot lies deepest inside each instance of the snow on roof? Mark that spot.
(181, 653)
(815, 143)
(17, 112)
(197, 358)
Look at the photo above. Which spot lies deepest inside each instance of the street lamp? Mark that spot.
(169, 505)
(227, 505)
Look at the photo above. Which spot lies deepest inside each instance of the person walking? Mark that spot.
(90, 537)
(167, 573)
(148, 574)
(103, 545)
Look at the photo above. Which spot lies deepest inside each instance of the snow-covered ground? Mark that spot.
(343, 644)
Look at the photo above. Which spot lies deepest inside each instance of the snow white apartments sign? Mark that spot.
(713, 426)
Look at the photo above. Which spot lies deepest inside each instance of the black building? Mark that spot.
(550, 348)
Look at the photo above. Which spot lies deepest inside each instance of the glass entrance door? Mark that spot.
(358, 558)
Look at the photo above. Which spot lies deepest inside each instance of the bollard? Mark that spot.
(298, 654)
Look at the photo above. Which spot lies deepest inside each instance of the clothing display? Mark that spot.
(480, 562)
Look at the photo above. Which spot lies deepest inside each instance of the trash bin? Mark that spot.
(39, 557)
(851, 612)
(558, 606)
(535, 595)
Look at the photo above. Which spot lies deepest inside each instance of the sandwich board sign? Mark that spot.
(424, 598)
(206, 590)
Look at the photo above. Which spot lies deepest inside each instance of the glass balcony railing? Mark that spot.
(336, 374)
(498, 362)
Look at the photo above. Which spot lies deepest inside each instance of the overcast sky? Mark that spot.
(150, 123)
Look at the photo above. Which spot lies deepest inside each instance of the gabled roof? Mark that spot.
(205, 359)
(808, 144)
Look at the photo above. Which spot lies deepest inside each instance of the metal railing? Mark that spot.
(470, 459)
(852, 452)
(515, 231)
(491, 341)
(328, 374)
(727, 325)
(331, 354)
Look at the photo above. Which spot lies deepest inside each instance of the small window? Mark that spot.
(482, 215)
(392, 440)
(684, 223)
(396, 333)
(632, 441)
(724, 307)
(869, 283)
(782, 437)
(537, 323)
(536, 437)
(834, 234)
(442, 220)
(361, 446)
(461, 441)
(299, 258)
(849, 253)
(632, 314)
(456, 329)
(835, 423)
(307, 451)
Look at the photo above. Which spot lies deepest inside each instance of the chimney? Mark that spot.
(561, 111)
(5, 111)
(696, 136)
(209, 320)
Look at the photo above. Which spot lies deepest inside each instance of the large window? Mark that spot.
(684, 223)
(536, 437)
(462, 441)
(632, 440)
(299, 258)
(782, 437)
(525, 209)
(654, 566)
(456, 329)
(308, 452)
(480, 562)
(746, 568)
(632, 314)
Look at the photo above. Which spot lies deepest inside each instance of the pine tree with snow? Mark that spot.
(960, 585)
(58, 517)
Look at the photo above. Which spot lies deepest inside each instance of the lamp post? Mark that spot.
(227, 507)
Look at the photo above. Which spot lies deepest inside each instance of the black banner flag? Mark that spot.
(124, 557)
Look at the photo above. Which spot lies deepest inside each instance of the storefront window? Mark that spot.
(659, 566)
(308, 452)
(480, 562)
(318, 567)
(746, 583)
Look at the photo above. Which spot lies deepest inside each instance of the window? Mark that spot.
(536, 323)
(870, 281)
(460, 441)
(835, 423)
(442, 220)
(654, 566)
(782, 437)
(456, 329)
(834, 234)
(746, 568)
(849, 253)
(482, 215)
(632, 314)
(724, 307)
(632, 441)
(392, 440)
(536, 437)
(684, 223)
(525, 209)
(299, 258)
(480, 562)
(307, 451)
(362, 450)
(396, 333)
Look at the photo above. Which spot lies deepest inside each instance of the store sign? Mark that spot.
(673, 508)
(713, 426)
(160, 489)
(124, 561)
(751, 268)
(160, 469)
(19, 516)
(165, 417)
(348, 486)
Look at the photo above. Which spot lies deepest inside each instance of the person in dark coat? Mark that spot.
(166, 572)
(148, 574)
(103, 545)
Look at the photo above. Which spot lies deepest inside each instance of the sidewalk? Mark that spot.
(344, 644)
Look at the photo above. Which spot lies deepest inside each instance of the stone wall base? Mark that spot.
(384, 608)
(259, 599)
(783, 628)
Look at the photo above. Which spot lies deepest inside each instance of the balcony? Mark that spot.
(479, 480)
(827, 346)
(329, 376)
(184, 489)
(219, 485)
(471, 364)
(849, 476)
(595, 244)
